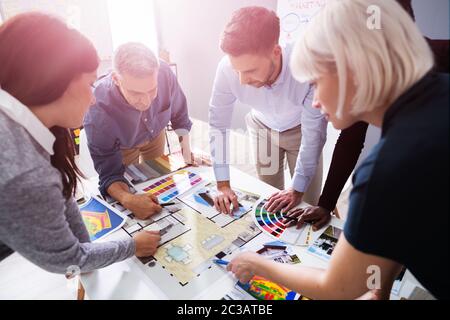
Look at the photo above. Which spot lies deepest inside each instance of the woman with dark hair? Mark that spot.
(46, 74)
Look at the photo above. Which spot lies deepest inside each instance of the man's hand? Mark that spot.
(147, 243)
(225, 198)
(317, 216)
(143, 206)
(284, 200)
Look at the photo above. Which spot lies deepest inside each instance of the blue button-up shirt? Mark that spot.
(112, 125)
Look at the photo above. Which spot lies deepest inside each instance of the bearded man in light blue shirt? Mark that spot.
(282, 124)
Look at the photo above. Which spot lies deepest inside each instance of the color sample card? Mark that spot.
(202, 200)
(100, 219)
(272, 223)
(152, 169)
(263, 289)
(173, 186)
(168, 163)
(323, 246)
(259, 288)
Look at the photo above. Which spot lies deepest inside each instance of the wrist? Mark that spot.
(260, 267)
(223, 184)
(126, 199)
(325, 210)
(297, 193)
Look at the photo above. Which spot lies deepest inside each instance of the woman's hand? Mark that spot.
(245, 266)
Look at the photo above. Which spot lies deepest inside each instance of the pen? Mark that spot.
(221, 262)
(164, 230)
(167, 204)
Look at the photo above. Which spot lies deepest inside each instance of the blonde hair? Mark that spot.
(384, 62)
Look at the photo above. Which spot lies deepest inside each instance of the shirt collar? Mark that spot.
(18, 112)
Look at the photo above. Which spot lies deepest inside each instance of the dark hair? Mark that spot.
(252, 30)
(40, 56)
(406, 4)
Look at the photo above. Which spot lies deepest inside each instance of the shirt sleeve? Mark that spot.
(220, 116)
(345, 156)
(314, 136)
(51, 234)
(180, 120)
(105, 152)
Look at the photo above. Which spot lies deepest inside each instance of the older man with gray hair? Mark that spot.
(134, 104)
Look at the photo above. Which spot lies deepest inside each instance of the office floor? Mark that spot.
(21, 280)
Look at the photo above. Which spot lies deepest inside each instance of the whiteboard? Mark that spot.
(295, 16)
(89, 17)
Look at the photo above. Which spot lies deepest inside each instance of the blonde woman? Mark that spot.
(399, 200)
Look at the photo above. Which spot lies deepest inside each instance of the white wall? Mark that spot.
(432, 17)
(190, 31)
(90, 17)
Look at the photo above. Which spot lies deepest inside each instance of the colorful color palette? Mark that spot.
(173, 186)
(263, 289)
(272, 224)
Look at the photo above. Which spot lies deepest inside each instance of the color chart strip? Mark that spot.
(173, 186)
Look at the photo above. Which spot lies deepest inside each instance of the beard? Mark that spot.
(268, 81)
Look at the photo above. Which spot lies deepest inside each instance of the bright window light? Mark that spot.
(133, 20)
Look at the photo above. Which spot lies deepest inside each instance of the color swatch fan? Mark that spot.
(272, 224)
(173, 186)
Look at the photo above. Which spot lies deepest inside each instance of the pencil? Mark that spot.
(167, 204)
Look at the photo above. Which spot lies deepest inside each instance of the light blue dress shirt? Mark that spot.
(283, 106)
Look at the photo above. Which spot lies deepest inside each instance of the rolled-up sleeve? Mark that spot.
(105, 151)
(180, 120)
(220, 114)
(314, 136)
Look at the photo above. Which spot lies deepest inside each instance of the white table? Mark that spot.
(125, 280)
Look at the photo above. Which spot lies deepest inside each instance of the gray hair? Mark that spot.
(135, 59)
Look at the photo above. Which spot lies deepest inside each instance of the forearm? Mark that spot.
(314, 136)
(314, 283)
(304, 280)
(345, 156)
(346, 277)
(120, 192)
(219, 145)
(87, 256)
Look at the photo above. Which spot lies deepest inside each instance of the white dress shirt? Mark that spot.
(283, 106)
(18, 112)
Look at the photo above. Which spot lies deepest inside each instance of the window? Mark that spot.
(133, 20)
